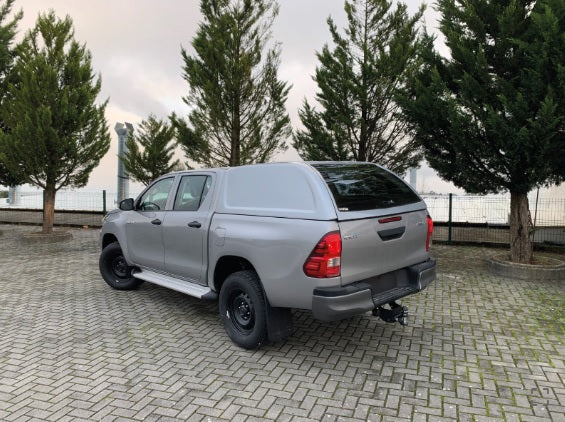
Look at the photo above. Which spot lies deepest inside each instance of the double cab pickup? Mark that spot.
(335, 238)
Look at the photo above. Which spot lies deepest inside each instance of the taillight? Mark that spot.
(430, 231)
(325, 259)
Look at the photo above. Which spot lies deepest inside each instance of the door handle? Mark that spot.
(195, 224)
(157, 222)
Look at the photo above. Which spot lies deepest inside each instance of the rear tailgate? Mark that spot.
(383, 222)
(378, 245)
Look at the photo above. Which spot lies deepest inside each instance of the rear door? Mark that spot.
(186, 226)
(381, 219)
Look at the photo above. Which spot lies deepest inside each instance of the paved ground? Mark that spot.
(478, 348)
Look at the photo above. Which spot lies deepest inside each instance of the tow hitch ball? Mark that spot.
(396, 313)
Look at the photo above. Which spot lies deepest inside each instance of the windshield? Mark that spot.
(362, 186)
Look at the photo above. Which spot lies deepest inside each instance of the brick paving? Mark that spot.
(477, 348)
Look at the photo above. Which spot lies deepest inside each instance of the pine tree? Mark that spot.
(491, 116)
(57, 133)
(358, 79)
(150, 151)
(238, 103)
(8, 29)
(7, 34)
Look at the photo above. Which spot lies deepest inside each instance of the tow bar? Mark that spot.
(396, 313)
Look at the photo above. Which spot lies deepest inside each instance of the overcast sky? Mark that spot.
(136, 45)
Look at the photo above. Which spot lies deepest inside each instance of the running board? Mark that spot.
(186, 287)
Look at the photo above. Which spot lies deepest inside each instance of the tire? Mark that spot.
(115, 270)
(243, 309)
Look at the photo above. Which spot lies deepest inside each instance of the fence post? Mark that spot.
(104, 201)
(533, 231)
(449, 219)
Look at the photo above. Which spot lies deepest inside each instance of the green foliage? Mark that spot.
(150, 151)
(57, 133)
(7, 34)
(491, 117)
(238, 103)
(7, 178)
(358, 80)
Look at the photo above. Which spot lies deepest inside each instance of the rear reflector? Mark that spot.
(430, 232)
(325, 259)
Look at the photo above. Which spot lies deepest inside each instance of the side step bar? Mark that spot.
(192, 289)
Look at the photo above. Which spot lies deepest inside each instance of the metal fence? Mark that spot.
(68, 200)
(457, 218)
(486, 219)
(72, 208)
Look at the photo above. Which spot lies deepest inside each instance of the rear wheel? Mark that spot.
(243, 309)
(115, 270)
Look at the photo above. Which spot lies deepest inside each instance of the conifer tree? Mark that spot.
(357, 80)
(150, 150)
(57, 133)
(491, 117)
(7, 34)
(238, 103)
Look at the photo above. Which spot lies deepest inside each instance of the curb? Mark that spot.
(42, 238)
(499, 265)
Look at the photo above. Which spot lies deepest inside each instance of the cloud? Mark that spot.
(135, 46)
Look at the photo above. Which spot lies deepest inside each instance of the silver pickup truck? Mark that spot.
(336, 238)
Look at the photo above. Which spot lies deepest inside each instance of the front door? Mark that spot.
(186, 226)
(144, 226)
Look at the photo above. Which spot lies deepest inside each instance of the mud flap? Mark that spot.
(279, 323)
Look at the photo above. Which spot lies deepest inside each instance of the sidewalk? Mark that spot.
(477, 348)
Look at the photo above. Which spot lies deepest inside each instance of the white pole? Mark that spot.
(413, 177)
(13, 195)
(123, 178)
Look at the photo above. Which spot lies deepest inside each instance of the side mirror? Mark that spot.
(126, 204)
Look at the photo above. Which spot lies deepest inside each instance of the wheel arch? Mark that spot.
(227, 265)
(107, 239)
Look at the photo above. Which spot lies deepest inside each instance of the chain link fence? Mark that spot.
(72, 208)
(68, 200)
(486, 219)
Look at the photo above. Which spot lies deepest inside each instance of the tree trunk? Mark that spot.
(235, 135)
(48, 209)
(520, 244)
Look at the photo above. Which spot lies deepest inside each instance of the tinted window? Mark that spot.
(191, 192)
(358, 187)
(155, 198)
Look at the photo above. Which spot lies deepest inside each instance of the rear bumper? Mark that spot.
(334, 303)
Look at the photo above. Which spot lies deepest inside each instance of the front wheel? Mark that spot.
(115, 270)
(243, 309)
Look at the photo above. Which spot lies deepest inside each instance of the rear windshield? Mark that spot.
(359, 186)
